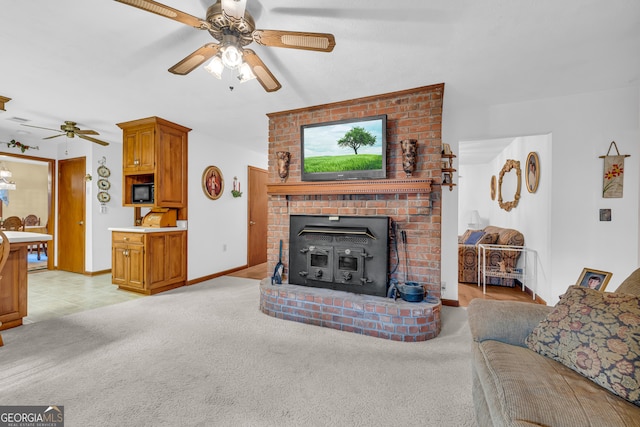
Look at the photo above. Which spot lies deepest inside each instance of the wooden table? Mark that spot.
(13, 284)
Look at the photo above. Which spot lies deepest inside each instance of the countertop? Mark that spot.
(26, 236)
(146, 229)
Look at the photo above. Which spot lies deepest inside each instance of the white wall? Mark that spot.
(582, 126)
(217, 239)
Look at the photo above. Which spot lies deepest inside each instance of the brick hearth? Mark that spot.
(363, 314)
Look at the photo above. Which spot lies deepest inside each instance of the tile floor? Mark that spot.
(53, 293)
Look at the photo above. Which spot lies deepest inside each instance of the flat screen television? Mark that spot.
(344, 149)
(142, 193)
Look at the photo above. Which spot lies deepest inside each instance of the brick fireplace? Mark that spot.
(413, 203)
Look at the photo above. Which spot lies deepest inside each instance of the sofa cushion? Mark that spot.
(631, 284)
(488, 239)
(474, 237)
(597, 334)
(506, 236)
(523, 388)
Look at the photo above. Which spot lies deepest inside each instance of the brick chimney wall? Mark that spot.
(411, 114)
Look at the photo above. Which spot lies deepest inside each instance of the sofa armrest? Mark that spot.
(509, 322)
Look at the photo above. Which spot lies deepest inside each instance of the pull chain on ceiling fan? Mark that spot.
(233, 27)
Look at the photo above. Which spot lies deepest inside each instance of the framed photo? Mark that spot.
(533, 172)
(212, 182)
(493, 187)
(594, 279)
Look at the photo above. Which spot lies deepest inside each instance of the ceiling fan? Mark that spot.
(70, 130)
(234, 27)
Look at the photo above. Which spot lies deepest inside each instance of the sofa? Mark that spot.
(490, 235)
(575, 364)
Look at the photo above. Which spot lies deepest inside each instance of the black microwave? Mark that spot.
(142, 193)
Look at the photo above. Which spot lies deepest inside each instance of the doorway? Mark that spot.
(258, 216)
(71, 215)
(33, 195)
(479, 165)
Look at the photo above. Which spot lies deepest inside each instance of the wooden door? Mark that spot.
(258, 215)
(71, 214)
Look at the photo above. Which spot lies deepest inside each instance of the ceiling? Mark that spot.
(99, 63)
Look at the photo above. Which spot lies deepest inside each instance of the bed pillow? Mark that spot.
(474, 237)
(597, 334)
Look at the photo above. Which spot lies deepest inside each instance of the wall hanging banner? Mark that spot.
(612, 184)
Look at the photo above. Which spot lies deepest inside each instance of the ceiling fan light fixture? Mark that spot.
(215, 67)
(231, 56)
(244, 73)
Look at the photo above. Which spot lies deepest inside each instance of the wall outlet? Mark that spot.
(224, 247)
(443, 285)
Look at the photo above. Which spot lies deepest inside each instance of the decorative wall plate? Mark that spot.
(103, 197)
(104, 184)
(104, 171)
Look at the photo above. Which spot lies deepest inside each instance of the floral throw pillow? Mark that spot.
(597, 334)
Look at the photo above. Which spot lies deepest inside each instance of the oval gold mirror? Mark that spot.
(511, 179)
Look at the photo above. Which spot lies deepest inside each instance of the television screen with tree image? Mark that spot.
(345, 149)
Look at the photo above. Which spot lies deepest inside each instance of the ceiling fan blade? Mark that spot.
(88, 138)
(167, 12)
(319, 42)
(86, 132)
(264, 76)
(192, 61)
(40, 127)
(234, 8)
(54, 136)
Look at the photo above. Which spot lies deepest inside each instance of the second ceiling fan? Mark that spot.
(232, 25)
(69, 129)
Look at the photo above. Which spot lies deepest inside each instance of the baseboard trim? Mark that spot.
(537, 299)
(214, 275)
(97, 273)
(451, 302)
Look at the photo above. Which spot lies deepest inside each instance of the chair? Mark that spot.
(13, 223)
(30, 220)
(4, 256)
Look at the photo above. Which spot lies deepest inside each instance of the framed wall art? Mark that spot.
(212, 182)
(594, 279)
(613, 181)
(533, 172)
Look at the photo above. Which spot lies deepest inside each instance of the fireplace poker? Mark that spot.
(406, 256)
(277, 272)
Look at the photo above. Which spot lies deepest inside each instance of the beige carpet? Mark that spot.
(205, 355)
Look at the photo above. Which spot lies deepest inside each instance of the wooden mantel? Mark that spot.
(382, 186)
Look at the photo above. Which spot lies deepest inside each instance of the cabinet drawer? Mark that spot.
(120, 237)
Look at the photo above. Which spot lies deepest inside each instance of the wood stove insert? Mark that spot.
(346, 253)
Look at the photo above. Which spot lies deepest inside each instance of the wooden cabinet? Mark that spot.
(13, 287)
(138, 149)
(154, 150)
(149, 262)
(127, 266)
